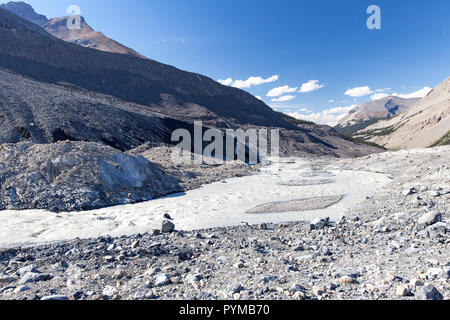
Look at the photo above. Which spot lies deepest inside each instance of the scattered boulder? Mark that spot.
(34, 277)
(185, 255)
(162, 280)
(167, 227)
(403, 290)
(167, 216)
(429, 293)
(409, 191)
(318, 290)
(319, 223)
(346, 280)
(430, 218)
(21, 289)
(193, 278)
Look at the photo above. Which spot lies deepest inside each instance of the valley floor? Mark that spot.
(387, 238)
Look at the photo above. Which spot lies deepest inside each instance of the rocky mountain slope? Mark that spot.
(31, 51)
(424, 124)
(49, 75)
(368, 113)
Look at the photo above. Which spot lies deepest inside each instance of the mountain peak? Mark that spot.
(24, 10)
(86, 36)
(370, 112)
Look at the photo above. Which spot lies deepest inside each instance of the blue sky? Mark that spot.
(286, 44)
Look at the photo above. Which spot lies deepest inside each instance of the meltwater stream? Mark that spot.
(220, 204)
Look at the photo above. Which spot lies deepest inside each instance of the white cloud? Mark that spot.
(225, 82)
(359, 91)
(339, 110)
(289, 107)
(276, 92)
(378, 96)
(380, 93)
(283, 98)
(258, 97)
(416, 94)
(311, 85)
(331, 101)
(251, 81)
(330, 117)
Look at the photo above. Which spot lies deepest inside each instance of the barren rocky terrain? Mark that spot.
(394, 245)
(85, 143)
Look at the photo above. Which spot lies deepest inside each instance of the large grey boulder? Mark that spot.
(73, 176)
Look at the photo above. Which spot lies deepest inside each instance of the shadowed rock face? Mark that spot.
(42, 113)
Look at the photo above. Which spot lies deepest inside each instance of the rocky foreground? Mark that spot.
(395, 245)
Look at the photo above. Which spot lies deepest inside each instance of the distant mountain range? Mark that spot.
(368, 113)
(425, 124)
(56, 90)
